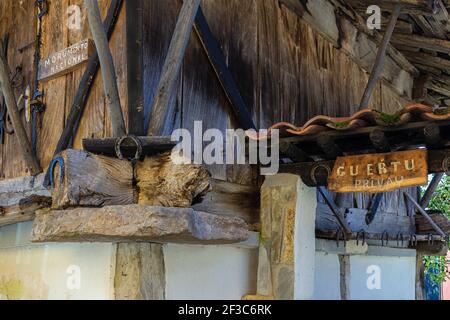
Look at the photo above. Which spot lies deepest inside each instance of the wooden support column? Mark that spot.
(140, 272)
(287, 249)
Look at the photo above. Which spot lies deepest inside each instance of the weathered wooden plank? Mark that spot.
(83, 179)
(139, 272)
(21, 197)
(414, 7)
(135, 67)
(107, 68)
(138, 223)
(422, 42)
(172, 66)
(428, 60)
(65, 61)
(217, 60)
(322, 169)
(379, 172)
(82, 90)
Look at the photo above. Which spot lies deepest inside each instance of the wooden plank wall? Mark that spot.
(285, 71)
(19, 19)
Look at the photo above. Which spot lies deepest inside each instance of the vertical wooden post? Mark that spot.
(107, 67)
(13, 111)
(135, 64)
(172, 66)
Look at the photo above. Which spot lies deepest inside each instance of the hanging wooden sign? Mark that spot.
(65, 61)
(375, 173)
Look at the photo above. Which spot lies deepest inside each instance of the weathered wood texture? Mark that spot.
(59, 92)
(162, 182)
(138, 223)
(284, 69)
(140, 272)
(91, 181)
(20, 198)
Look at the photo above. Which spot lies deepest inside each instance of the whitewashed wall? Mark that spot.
(395, 267)
(31, 271)
(210, 272)
(53, 271)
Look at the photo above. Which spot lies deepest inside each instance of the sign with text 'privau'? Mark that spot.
(65, 61)
(376, 173)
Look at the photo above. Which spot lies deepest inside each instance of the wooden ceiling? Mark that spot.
(422, 35)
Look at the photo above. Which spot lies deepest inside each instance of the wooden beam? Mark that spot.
(217, 60)
(135, 67)
(24, 145)
(425, 201)
(150, 146)
(138, 223)
(171, 69)
(107, 68)
(380, 141)
(422, 42)
(380, 59)
(140, 272)
(428, 60)
(414, 7)
(86, 82)
(338, 23)
(427, 217)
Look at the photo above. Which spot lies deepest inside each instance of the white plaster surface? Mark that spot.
(29, 271)
(209, 272)
(327, 281)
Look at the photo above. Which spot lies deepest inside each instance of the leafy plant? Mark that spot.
(437, 268)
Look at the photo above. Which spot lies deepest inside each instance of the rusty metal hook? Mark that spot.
(446, 166)
(413, 240)
(430, 239)
(399, 236)
(385, 236)
(363, 233)
(338, 237)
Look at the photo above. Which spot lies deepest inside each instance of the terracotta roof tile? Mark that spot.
(361, 119)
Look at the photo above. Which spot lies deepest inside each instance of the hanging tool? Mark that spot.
(374, 206)
(36, 104)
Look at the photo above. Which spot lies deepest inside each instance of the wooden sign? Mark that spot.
(375, 173)
(65, 61)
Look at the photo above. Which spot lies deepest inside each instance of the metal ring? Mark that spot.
(136, 141)
(314, 169)
(51, 168)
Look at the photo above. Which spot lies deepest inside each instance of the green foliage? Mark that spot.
(437, 268)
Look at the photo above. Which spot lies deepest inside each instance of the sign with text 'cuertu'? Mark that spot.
(376, 173)
(65, 61)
